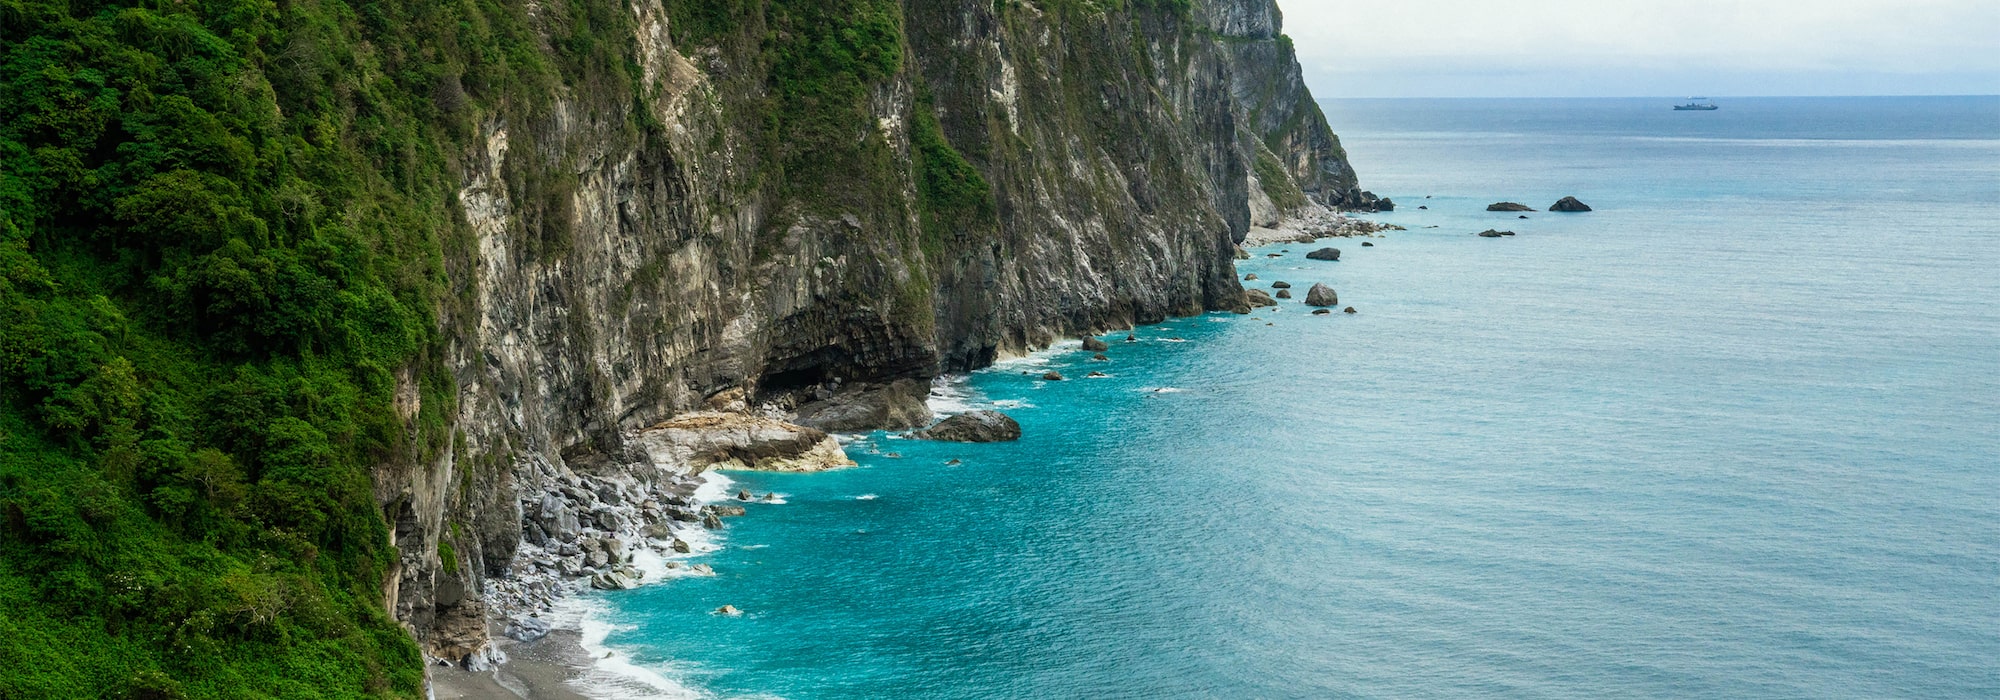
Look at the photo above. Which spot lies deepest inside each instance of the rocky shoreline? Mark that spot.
(1314, 223)
(639, 519)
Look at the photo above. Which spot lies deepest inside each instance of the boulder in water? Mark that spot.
(1569, 204)
(973, 426)
(1490, 233)
(1100, 357)
(1252, 277)
(1092, 344)
(1052, 376)
(1281, 284)
(728, 610)
(1508, 206)
(1347, 310)
(1284, 294)
(1321, 312)
(1324, 254)
(1258, 298)
(1366, 244)
(1321, 295)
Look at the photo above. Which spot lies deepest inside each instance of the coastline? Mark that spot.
(565, 663)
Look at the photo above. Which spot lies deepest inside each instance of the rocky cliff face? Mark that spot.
(701, 232)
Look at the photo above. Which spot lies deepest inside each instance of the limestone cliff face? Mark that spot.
(644, 247)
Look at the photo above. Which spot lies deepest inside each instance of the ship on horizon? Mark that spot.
(1697, 104)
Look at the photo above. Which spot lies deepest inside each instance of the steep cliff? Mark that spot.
(628, 210)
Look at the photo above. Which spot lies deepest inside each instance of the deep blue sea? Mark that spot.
(1735, 434)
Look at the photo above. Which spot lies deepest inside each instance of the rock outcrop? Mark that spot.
(1258, 298)
(1321, 295)
(1569, 204)
(973, 426)
(1324, 254)
(737, 441)
(1508, 206)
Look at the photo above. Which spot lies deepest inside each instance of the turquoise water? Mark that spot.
(1734, 435)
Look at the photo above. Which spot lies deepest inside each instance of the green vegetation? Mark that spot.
(223, 227)
(1277, 183)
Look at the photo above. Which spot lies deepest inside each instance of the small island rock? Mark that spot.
(1257, 297)
(1324, 254)
(1281, 284)
(973, 426)
(1569, 204)
(1091, 343)
(1321, 295)
(1508, 206)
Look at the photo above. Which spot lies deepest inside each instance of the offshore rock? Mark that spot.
(1569, 204)
(1284, 294)
(1321, 295)
(1092, 344)
(1491, 233)
(1052, 376)
(1281, 284)
(1324, 254)
(974, 426)
(1258, 298)
(1508, 206)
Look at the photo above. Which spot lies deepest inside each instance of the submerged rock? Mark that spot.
(1100, 357)
(1490, 233)
(1569, 204)
(1324, 254)
(1508, 206)
(973, 426)
(1321, 295)
(1097, 374)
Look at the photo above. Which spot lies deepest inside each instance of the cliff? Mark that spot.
(616, 213)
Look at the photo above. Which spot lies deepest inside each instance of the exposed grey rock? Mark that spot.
(526, 628)
(1508, 206)
(1324, 254)
(1258, 298)
(614, 581)
(974, 426)
(893, 406)
(1569, 204)
(739, 441)
(1321, 295)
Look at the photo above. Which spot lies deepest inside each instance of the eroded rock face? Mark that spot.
(973, 426)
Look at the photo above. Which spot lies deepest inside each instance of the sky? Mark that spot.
(1590, 48)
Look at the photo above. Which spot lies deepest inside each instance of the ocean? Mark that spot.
(1734, 434)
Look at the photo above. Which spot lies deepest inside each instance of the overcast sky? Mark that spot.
(1557, 48)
